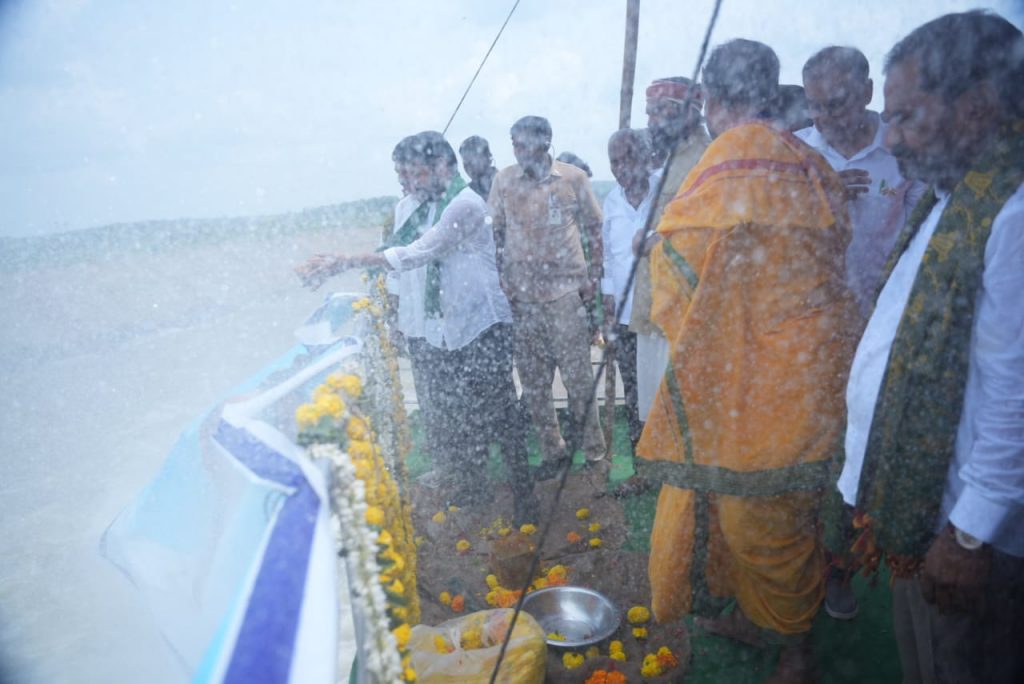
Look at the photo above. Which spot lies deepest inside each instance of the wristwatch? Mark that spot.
(967, 541)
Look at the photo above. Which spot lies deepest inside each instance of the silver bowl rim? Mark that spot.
(616, 616)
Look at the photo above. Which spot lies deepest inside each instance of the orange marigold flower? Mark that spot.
(573, 538)
(666, 658)
(458, 603)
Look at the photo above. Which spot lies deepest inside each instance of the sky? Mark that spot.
(130, 111)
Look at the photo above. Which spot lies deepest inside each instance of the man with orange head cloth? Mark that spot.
(748, 287)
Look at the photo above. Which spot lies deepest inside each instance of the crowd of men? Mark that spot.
(822, 350)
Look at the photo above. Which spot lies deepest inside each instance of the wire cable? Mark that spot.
(576, 435)
(482, 62)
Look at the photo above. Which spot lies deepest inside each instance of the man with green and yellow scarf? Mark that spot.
(934, 457)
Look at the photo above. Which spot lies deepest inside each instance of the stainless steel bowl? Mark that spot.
(582, 616)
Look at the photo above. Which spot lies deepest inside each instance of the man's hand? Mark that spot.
(642, 247)
(319, 268)
(857, 182)
(953, 578)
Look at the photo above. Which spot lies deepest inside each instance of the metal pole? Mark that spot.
(625, 110)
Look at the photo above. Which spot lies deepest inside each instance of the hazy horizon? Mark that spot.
(130, 112)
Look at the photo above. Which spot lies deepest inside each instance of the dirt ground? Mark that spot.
(619, 574)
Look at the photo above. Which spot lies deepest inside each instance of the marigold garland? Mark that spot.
(372, 518)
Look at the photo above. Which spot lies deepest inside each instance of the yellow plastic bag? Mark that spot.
(465, 649)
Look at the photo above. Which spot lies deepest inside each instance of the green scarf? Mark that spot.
(410, 232)
(913, 432)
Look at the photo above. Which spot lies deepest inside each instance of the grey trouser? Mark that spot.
(958, 648)
(551, 335)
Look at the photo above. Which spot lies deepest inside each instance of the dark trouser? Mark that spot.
(425, 360)
(625, 359)
(479, 407)
(961, 648)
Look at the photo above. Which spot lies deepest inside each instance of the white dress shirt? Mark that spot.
(463, 242)
(621, 222)
(412, 284)
(984, 494)
(877, 215)
(404, 208)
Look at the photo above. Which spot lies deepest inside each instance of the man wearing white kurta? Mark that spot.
(850, 137)
(936, 393)
(625, 212)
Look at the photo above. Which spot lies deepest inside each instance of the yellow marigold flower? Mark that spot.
(322, 392)
(492, 581)
(492, 598)
(504, 531)
(555, 636)
(617, 655)
(385, 538)
(363, 468)
(439, 517)
(441, 644)
(540, 583)
(557, 572)
(397, 588)
(360, 303)
(400, 614)
(472, 639)
(307, 416)
(331, 405)
(594, 528)
(650, 668)
(445, 598)
(593, 652)
(573, 660)
(583, 514)
(375, 516)
(453, 509)
(638, 615)
(594, 543)
(402, 634)
(360, 448)
(615, 646)
(396, 560)
(528, 528)
(356, 428)
(463, 545)
(409, 674)
(640, 633)
(347, 383)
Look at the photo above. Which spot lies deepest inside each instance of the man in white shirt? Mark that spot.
(473, 387)
(625, 211)
(407, 321)
(935, 429)
(850, 137)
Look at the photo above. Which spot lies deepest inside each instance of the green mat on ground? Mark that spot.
(854, 651)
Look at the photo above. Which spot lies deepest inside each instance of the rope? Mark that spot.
(577, 435)
(482, 62)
